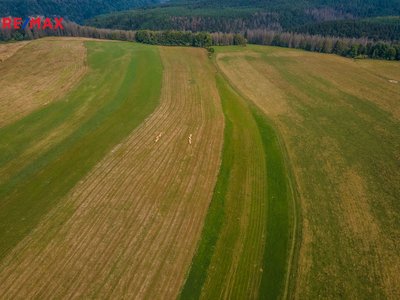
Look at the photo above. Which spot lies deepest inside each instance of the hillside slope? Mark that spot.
(75, 10)
(356, 8)
(113, 196)
(56, 78)
(271, 174)
(236, 16)
(340, 122)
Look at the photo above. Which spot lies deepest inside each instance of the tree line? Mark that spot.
(174, 38)
(355, 48)
(70, 30)
(167, 38)
(187, 38)
(348, 47)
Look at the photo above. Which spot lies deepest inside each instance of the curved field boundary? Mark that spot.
(282, 215)
(129, 228)
(236, 259)
(121, 89)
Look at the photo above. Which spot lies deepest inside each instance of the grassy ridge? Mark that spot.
(120, 91)
(213, 260)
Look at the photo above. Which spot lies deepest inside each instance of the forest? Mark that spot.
(373, 19)
(70, 30)
(75, 10)
(322, 21)
(321, 9)
(353, 48)
(380, 28)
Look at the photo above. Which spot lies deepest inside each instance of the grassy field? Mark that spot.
(7, 50)
(113, 199)
(134, 171)
(33, 75)
(245, 243)
(339, 121)
(97, 110)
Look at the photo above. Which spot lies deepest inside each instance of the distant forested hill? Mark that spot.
(379, 28)
(344, 18)
(240, 15)
(76, 10)
(354, 7)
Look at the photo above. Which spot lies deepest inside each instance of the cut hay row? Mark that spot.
(37, 74)
(235, 266)
(339, 120)
(74, 133)
(129, 228)
(244, 246)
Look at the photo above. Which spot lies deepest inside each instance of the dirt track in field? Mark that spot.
(51, 68)
(130, 228)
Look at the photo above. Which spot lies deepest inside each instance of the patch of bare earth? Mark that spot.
(130, 228)
(39, 73)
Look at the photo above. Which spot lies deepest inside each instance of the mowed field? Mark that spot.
(245, 249)
(340, 123)
(134, 171)
(109, 185)
(33, 75)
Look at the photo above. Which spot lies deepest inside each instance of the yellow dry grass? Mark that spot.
(8, 50)
(50, 69)
(130, 228)
(237, 67)
(366, 79)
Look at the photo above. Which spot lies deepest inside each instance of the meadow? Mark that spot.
(246, 237)
(339, 122)
(149, 172)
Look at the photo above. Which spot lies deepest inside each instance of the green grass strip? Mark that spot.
(213, 223)
(276, 253)
(279, 214)
(124, 84)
